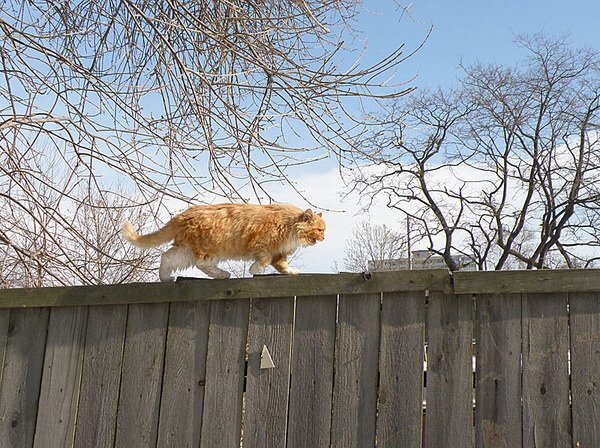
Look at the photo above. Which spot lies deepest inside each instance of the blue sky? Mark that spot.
(470, 30)
(464, 30)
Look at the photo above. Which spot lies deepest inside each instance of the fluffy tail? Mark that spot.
(153, 239)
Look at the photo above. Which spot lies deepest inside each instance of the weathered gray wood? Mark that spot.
(449, 390)
(4, 322)
(240, 288)
(143, 358)
(227, 336)
(585, 368)
(465, 282)
(543, 280)
(311, 385)
(399, 408)
(498, 379)
(101, 376)
(267, 390)
(183, 382)
(59, 394)
(356, 366)
(21, 376)
(546, 413)
(546, 419)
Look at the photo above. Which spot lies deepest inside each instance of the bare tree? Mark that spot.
(371, 246)
(188, 99)
(504, 170)
(63, 234)
(104, 256)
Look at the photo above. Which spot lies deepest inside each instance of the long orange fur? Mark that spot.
(205, 235)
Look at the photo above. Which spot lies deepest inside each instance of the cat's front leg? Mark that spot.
(280, 263)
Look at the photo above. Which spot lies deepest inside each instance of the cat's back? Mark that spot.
(235, 230)
(229, 211)
(237, 216)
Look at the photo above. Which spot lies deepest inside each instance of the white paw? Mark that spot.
(292, 271)
(221, 275)
(166, 278)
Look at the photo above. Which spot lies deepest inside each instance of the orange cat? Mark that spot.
(205, 235)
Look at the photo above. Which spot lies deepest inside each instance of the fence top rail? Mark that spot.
(268, 286)
(539, 281)
(243, 288)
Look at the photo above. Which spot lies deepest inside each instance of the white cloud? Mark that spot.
(341, 214)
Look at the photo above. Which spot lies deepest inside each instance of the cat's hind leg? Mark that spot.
(172, 260)
(262, 261)
(211, 269)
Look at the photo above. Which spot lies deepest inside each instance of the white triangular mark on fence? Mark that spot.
(266, 362)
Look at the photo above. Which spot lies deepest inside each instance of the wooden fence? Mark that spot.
(179, 365)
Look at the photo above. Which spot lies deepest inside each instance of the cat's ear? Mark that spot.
(307, 216)
(320, 214)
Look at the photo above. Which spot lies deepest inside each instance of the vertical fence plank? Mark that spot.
(101, 376)
(143, 358)
(449, 391)
(4, 322)
(400, 401)
(225, 362)
(267, 390)
(57, 407)
(585, 368)
(22, 375)
(498, 379)
(185, 368)
(4, 325)
(356, 370)
(311, 385)
(546, 411)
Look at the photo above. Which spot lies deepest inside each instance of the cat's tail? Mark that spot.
(164, 235)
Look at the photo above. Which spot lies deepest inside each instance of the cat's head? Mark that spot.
(310, 228)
